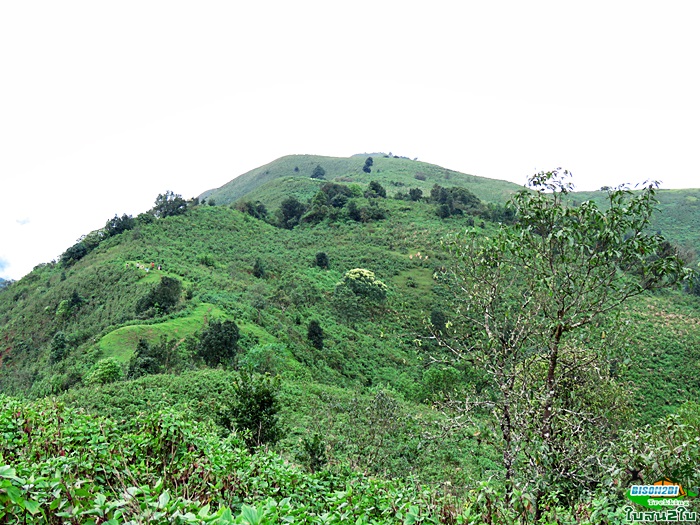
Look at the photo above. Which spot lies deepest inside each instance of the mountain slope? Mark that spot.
(394, 173)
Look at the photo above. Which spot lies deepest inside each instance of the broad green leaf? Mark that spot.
(163, 499)
(32, 506)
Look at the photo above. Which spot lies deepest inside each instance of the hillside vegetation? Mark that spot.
(343, 299)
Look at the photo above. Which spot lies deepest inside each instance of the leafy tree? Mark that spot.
(322, 260)
(338, 194)
(161, 298)
(318, 173)
(263, 358)
(258, 269)
(315, 334)
(455, 201)
(318, 209)
(218, 342)
(367, 168)
(256, 209)
(443, 211)
(354, 210)
(105, 371)
(375, 190)
(144, 218)
(118, 225)
(364, 284)
(74, 254)
(169, 204)
(291, 211)
(59, 347)
(313, 454)
(153, 358)
(439, 320)
(143, 362)
(415, 194)
(533, 296)
(254, 411)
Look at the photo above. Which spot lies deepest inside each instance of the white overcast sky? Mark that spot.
(103, 105)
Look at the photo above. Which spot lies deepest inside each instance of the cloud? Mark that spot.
(22, 222)
(3, 264)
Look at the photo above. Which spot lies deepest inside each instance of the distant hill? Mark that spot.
(677, 218)
(395, 173)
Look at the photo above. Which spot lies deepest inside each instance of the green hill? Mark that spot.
(678, 216)
(366, 400)
(396, 174)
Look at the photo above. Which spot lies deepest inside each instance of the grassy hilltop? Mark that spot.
(395, 173)
(121, 327)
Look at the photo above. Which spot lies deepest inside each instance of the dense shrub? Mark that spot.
(315, 334)
(162, 298)
(322, 260)
(254, 410)
(105, 371)
(363, 283)
(218, 342)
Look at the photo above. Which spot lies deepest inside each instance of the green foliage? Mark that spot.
(74, 254)
(67, 466)
(321, 260)
(313, 452)
(363, 284)
(415, 194)
(255, 209)
(291, 211)
(665, 449)
(219, 342)
(254, 411)
(118, 225)
(375, 190)
(264, 359)
(533, 297)
(364, 344)
(315, 334)
(455, 201)
(367, 168)
(169, 204)
(59, 347)
(105, 371)
(154, 358)
(438, 321)
(162, 298)
(258, 269)
(318, 173)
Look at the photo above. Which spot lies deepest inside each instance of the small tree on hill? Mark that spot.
(218, 342)
(322, 260)
(415, 194)
(318, 173)
(315, 334)
(119, 225)
(364, 284)
(367, 168)
(105, 371)
(258, 269)
(59, 347)
(169, 204)
(255, 408)
(375, 190)
(291, 211)
(162, 298)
